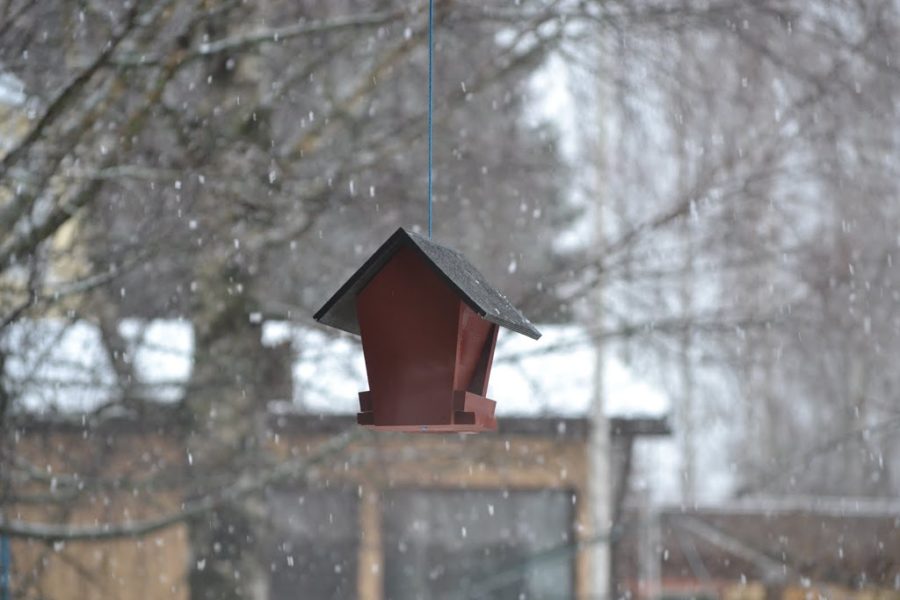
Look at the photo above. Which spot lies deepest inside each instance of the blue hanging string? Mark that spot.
(430, 104)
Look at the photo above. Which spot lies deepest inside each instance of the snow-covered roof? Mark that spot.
(551, 376)
(831, 506)
(53, 364)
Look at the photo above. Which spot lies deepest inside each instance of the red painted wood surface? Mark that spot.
(428, 354)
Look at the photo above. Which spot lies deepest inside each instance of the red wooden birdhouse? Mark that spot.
(428, 322)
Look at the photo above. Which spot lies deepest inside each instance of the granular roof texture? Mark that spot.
(454, 269)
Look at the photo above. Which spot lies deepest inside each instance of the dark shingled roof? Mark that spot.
(460, 275)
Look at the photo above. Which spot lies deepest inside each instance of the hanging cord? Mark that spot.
(430, 104)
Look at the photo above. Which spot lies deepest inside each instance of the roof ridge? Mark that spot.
(453, 267)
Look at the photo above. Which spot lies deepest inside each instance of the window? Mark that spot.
(314, 549)
(478, 544)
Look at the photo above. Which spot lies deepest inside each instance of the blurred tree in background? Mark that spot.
(228, 162)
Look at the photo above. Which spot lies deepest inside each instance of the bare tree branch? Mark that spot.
(246, 484)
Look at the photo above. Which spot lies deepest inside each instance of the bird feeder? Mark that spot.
(429, 323)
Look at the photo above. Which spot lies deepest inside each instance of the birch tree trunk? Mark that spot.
(599, 463)
(599, 482)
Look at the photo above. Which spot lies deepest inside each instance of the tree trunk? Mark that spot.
(227, 422)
